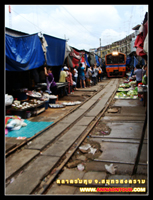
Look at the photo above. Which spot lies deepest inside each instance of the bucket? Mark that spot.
(46, 104)
(52, 101)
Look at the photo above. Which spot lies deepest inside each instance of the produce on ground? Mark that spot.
(124, 85)
(132, 83)
(132, 93)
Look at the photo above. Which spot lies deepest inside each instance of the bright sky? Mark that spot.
(83, 25)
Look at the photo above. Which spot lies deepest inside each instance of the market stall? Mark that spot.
(24, 55)
(60, 86)
(127, 90)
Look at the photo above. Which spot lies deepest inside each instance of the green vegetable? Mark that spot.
(132, 93)
(120, 89)
(132, 82)
(124, 85)
(121, 94)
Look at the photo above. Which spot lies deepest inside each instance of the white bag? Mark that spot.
(16, 124)
(8, 99)
(74, 83)
(110, 168)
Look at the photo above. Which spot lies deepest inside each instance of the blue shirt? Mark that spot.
(81, 71)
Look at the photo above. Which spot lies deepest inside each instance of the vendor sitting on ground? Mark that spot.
(51, 85)
(138, 73)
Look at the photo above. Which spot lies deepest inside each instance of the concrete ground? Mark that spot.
(119, 147)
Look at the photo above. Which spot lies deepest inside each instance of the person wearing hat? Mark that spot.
(63, 75)
(62, 79)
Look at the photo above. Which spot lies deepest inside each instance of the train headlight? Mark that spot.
(115, 53)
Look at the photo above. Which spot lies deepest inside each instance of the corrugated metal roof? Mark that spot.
(136, 27)
(13, 32)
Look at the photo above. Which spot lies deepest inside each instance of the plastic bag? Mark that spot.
(85, 147)
(110, 168)
(15, 124)
(8, 99)
(74, 83)
(80, 167)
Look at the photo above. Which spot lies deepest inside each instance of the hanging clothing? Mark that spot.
(145, 46)
(86, 60)
(97, 60)
(135, 62)
(44, 44)
(67, 50)
(139, 41)
(139, 45)
(145, 30)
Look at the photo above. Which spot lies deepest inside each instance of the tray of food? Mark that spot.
(56, 106)
(72, 103)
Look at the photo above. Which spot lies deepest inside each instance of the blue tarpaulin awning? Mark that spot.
(86, 59)
(23, 53)
(97, 60)
(55, 50)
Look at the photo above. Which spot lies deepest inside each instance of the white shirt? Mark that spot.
(76, 73)
(87, 73)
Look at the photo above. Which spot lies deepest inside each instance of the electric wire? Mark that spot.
(56, 19)
(40, 29)
(79, 22)
(28, 20)
(71, 30)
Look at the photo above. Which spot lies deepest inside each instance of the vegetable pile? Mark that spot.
(132, 93)
(124, 85)
(132, 83)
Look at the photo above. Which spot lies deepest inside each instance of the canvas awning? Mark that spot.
(23, 53)
(55, 50)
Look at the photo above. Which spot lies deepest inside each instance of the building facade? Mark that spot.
(124, 46)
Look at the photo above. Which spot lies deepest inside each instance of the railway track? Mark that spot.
(49, 152)
(29, 140)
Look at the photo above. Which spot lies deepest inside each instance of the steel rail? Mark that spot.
(52, 177)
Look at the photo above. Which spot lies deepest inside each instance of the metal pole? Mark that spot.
(140, 146)
(126, 46)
